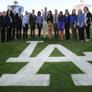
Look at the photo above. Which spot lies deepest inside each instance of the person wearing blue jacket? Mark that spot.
(32, 23)
(39, 21)
(81, 24)
(61, 25)
(73, 23)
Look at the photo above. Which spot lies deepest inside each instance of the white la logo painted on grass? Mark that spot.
(27, 76)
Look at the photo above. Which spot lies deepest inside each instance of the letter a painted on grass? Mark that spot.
(27, 76)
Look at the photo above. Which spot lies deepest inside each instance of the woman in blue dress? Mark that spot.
(61, 25)
(73, 22)
(67, 24)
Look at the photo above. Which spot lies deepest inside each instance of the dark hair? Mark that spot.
(86, 8)
(50, 16)
(60, 12)
(16, 15)
(26, 12)
(31, 15)
(60, 16)
(38, 13)
(7, 12)
(73, 13)
(67, 12)
(11, 13)
(50, 13)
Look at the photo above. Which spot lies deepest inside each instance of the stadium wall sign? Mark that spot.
(27, 76)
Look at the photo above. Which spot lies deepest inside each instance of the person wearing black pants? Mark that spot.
(73, 21)
(32, 22)
(55, 21)
(67, 25)
(2, 28)
(8, 33)
(13, 26)
(87, 32)
(39, 26)
(18, 23)
(25, 25)
(3, 34)
(8, 22)
(25, 31)
(39, 21)
(80, 24)
(81, 33)
(88, 17)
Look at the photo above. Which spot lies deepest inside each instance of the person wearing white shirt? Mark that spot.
(55, 21)
(25, 25)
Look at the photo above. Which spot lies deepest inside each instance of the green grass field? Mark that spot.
(60, 80)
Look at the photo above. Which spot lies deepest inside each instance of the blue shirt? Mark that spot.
(67, 19)
(39, 20)
(61, 24)
(73, 20)
(81, 20)
(25, 19)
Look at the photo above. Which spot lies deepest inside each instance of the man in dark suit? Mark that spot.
(2, 27)
(8, 22)
(18, 26)
(55, 20)
(13, 25)
(32, 22)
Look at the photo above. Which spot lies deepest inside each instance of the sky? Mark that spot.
(40, 4)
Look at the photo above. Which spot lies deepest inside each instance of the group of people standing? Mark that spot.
(10, 26)
(16, 26)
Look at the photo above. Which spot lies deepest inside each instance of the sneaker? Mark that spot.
(81, 40)
(87, 40)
